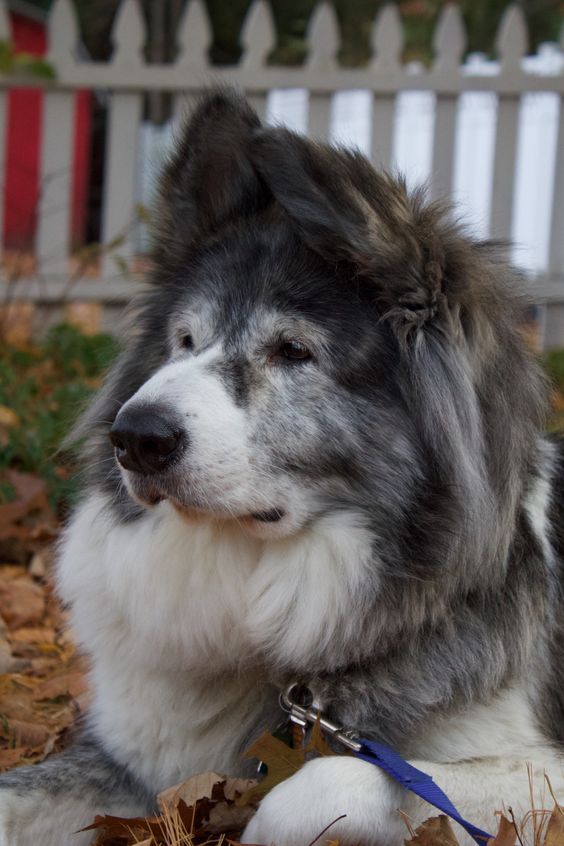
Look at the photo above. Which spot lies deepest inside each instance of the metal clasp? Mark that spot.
(302, 714)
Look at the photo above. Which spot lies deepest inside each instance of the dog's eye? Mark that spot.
(186, 341)
(293, 351)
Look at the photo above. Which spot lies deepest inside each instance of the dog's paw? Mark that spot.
(297, 811)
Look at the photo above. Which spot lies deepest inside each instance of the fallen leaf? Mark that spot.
(220, 814)
(436, 831)
(555, 829)
(31, 494)
(228, 817)
(202, 786)
(68, 684)
(11, 757)
(16, 322)
(317, 742)
(506, 833)
(36, 635)
(8, 663)
(38, 565)
(21, 602)
(281, 760)
(29, 735)
(197, 787)
(86, 316)
(8, 417)
(234, 787)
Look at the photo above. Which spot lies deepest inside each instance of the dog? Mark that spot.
(320, 458)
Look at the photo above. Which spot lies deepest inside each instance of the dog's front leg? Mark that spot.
(47, 803)
(296, 811)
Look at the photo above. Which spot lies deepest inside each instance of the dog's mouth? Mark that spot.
(153, 497)
(149, 494)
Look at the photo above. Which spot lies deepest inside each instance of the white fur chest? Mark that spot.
(179, 618)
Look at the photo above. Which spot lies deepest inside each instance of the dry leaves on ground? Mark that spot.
(42, 682)
(200, 810)
(547, 830)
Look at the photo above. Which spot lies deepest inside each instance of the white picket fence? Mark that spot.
(323, 89)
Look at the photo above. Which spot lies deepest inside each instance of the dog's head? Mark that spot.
(316, 339)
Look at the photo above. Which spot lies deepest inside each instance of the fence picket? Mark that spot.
(511, 45)
(54, 212)
(503, 187)
(512, 40)
(449, 42)
(192, 60)
(128, 36)
(118, 215)
(554, 315)
(556, 244)
(258, 38)
(323, 41)
(387, 45)
(124, 115)
(194, 39)
(63, 37)
(323, 38)
(53, 232)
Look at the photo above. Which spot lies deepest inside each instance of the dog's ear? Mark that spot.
(209, 178)
(346, 211)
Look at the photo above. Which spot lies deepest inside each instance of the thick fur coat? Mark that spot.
(325, 464)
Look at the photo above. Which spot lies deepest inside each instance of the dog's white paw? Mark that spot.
(296, 811)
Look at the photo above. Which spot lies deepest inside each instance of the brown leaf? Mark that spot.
(506, 833)
(8, 417)
(29, 735)
(11, 757)
(22, 603)
(197, 787)
(120, 826)
(436, 831)
(86, 316)
(202, 786)
(282, 762)
(555, 829)
(30, 496)
(209, 801)
(8, 663)
(36, 635)
(38, 565)
(72, 685)
(18, 705)
(228, 817)
(234, 787)
(317, 742)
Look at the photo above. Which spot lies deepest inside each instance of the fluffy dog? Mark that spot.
(319, 458)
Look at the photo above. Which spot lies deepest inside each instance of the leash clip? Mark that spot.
(304, 714)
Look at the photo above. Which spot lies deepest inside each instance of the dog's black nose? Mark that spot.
(147, 438)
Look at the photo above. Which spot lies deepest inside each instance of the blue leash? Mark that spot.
(384, 757)
(417, 781)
